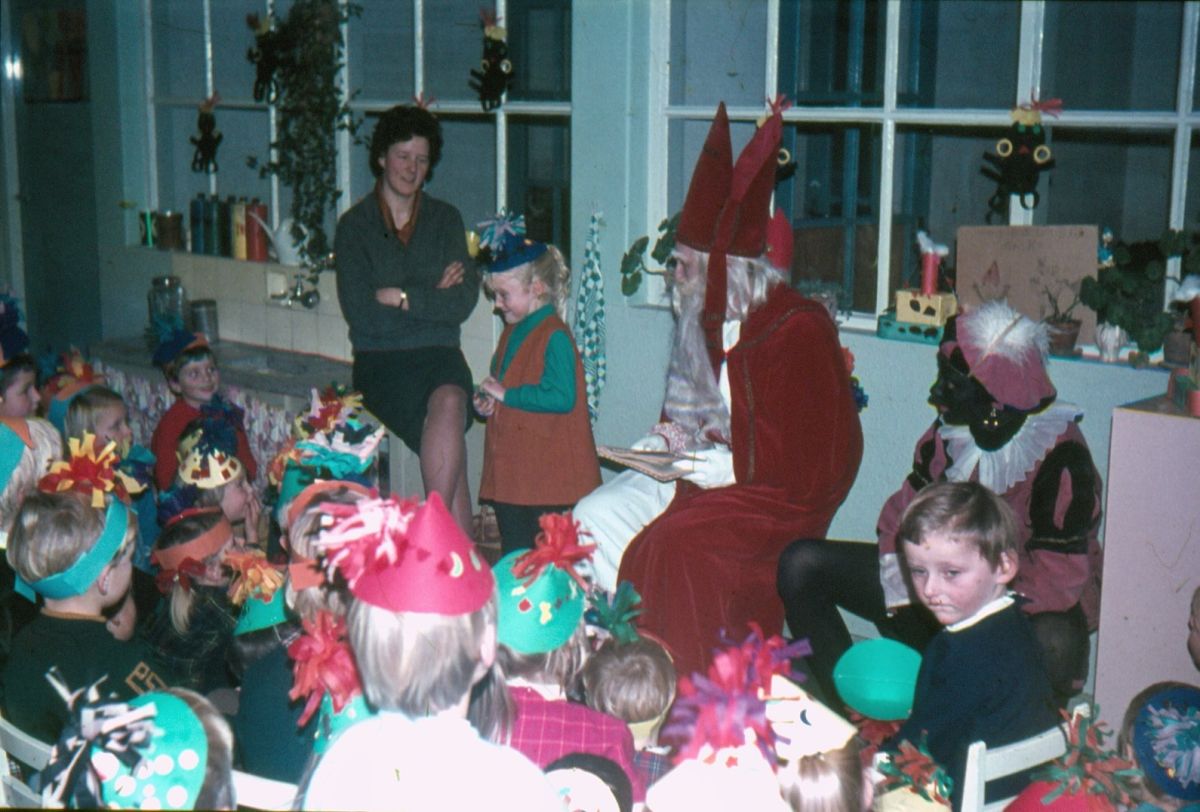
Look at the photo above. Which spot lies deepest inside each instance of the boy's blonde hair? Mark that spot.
(561, 666)
(217, 790)
(86, 407)
(418, 663)
(306, 603)
(52, 530)
(34, 463)
(181, 531)
(551, 269)
(824, 782)
(634, 682)
(966, 511)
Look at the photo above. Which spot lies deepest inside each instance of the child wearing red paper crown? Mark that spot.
(423, 628)
(188, 364)
(192, 629)
(533, 398)
(758, 397)
(543, 649)
(72, 543)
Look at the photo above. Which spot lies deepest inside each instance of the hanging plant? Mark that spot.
(297, 61)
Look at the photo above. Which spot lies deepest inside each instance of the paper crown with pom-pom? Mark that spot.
(542, 597)
(1166, 739)
(118, 755)
(323, 667)
(407, 557)
(90, 470)
(73, 376)
(208, 454)
(170, 339)
(503, 244)
(262, 610)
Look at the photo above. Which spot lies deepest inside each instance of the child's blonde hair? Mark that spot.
(217, 790)
(52, 530)
(86, 407)
(634, 682)
(34, 463)
(561, 666)
(181, 531)
(551, 270)
(966, 511)
(418, 663)
(824, 782)
(307, 603)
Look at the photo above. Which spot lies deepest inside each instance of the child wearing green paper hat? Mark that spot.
(534, 397)
(78, 557)
(166, 749)
(543, 650)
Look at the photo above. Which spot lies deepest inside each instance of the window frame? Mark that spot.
(1181, 122)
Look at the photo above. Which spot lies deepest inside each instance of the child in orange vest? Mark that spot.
(534, 397)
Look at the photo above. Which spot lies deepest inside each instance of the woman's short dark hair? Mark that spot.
(402, 123)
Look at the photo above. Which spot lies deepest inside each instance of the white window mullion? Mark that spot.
(772, 66)
(1183, 133)
(342, 137)
(208, 75)
(887, 163)
(418, 47)
(653, 289)
(272, 134)
(1029, 80)
(151, 203)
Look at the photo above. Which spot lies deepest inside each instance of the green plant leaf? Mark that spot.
(631, 282)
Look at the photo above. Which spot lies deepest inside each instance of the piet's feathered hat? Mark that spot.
(727, 209)
(1005, 351)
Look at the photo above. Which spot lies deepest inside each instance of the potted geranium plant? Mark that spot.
(1129, 293)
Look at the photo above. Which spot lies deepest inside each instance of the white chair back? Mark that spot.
(25, 748)
(986, 764)
(256, 792)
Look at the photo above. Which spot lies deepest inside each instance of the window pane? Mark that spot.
(178, 36)
(539, 177)
(1112, 55)
(453, 46)
(831, 53)
(243, 133)
(233, 73)
(833, 202)
(938, 187)
(380, 51)
(685, 141)
(718, 52)
(958, 54)
(1191, 216)
(466, 176)
(1120, 180)
(539, 39)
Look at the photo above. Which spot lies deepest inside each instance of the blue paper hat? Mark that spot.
(13, 340)
(1166, 738)
(503, 238)
(172, 339)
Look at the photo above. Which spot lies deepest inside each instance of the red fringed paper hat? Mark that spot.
(323, 665)
(727, 209)
(406, 557)
(88, 470)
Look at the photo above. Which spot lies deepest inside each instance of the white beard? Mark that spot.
(693, 398)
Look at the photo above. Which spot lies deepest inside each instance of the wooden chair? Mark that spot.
(986, 764)
(256, 792)
(15, 743)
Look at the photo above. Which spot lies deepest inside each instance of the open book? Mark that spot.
(656, 464)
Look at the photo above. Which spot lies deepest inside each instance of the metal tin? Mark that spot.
(239, 228)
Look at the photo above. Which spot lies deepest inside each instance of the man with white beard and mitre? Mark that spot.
(758, 392)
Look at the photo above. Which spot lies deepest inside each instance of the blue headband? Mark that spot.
(76, 579)
(12, 448)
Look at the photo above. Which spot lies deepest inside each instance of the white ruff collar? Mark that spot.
(999, 470)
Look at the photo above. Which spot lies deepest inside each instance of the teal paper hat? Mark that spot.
(170, 771)
(261, 614)
(504, 243)
(542, 598)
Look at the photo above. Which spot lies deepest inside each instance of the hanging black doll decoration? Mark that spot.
(497, 75)
(1020, 157)
(205, 157)
(272, 45)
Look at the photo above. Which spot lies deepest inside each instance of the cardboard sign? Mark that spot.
(1027, 265)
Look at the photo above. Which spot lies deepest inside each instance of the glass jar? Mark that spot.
(167, 301)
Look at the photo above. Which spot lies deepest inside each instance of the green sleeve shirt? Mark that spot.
(555, 392)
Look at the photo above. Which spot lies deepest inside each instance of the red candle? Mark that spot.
(929, 273)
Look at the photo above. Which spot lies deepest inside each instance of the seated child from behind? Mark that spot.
(101, 411)
(177, 733)
(981, 676)
(192, 629)
(543, 649)
(1160, 733)
(79, 558)
(534, 399)
(191, 371)
(423, 630)
(634, 682)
